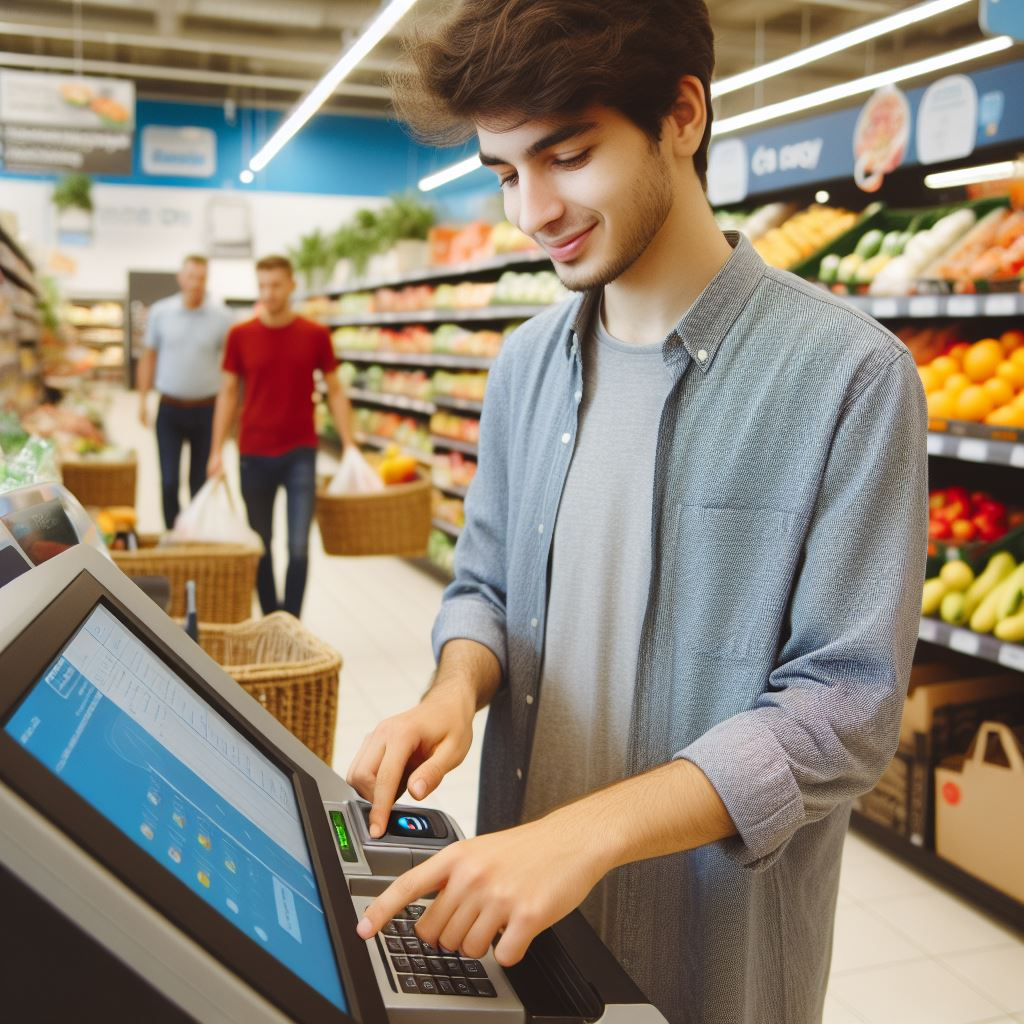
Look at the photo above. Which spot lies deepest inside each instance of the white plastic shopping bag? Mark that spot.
(213, 517)
(355, 475)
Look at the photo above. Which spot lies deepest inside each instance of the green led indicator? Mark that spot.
(340, 830)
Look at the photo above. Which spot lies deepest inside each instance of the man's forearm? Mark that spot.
(341, 412)
(667, 810)
(469, 666)
(145, 373)
(223, 417)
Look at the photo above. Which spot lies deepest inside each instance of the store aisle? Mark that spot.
(906, 951)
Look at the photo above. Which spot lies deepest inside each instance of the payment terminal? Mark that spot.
(170, 852)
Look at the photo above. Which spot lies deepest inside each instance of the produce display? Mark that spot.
(757, 222)
(441, 550)
(448, 339)
(448, 510)
(802, 235)
(979, 383)
(992, 602)
(404, 431)
(900, 274)
(75, 428)
(874, 251)
(959, 516)
(456, 428)
(475, 242)
(34, 461)
(453, 469)
(468, 385)
(992, 251)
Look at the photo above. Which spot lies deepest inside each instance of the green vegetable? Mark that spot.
(869, 244)
(848, 267)
(828, 269)
(892, 244)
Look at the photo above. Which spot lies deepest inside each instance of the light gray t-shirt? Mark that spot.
(190, 346)
(600, 576)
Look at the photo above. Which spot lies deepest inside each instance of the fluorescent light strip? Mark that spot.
(463, 167)
(861, 85)
(974, 175)
(834, 45)
(315, 98)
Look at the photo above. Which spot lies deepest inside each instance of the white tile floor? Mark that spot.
(906, 951)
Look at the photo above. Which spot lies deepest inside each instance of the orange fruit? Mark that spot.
(1005, 416)
(1012, 340)
(972, 404)
(940, 406)
(1011, 373)
(957, 351)
(982, 359)
(930, 380)
(944, 366)
(1017, 357)
(999, 390)
(955, 384)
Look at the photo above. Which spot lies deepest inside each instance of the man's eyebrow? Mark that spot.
(559, 135)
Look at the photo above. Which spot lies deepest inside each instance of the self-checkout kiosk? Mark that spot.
(170, 852)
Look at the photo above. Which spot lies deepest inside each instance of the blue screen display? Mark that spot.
(122, 730)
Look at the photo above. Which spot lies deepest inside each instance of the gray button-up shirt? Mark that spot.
(789, 520)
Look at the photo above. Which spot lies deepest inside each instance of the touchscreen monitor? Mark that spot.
(162, 765)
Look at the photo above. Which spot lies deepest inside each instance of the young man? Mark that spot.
(184, 345)
(689, 583)
(269, 366)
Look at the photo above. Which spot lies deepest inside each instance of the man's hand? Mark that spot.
(516, 883)
(215, 465)
(143, 414)
(413, 750)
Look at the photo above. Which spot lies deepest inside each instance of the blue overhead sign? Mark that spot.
(1002, 18)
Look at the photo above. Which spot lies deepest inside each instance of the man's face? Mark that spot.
(276, 287)
(592, 190)
(192, 282)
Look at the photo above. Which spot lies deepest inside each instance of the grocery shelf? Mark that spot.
(1006, 908)
(455, 271)
(974, 442)
(451, 490)
(483, 314)
(966, 641)
(427, 359)
(6, 239)
(449, 528)
(452, 445)
(402, 402)
(928, 306)
(461, 404)
(373, 441)
(21, 282)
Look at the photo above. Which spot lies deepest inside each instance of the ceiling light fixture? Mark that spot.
(432, 181)
(975, 175)
(862, 85)
(322, 91)
(836, 44)
(246, 177)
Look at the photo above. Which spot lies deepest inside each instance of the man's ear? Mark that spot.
(688, 117)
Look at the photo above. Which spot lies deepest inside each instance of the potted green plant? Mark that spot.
(314, 259)
(404, 225)
(358, 241)
(72, 196)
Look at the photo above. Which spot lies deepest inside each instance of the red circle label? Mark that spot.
(951, 793)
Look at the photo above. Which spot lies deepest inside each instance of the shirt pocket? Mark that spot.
(732, 579)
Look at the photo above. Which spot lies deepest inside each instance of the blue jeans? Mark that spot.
(262, 475)
(174, 427)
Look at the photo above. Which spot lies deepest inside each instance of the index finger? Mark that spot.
(390, 781)
(417, 882)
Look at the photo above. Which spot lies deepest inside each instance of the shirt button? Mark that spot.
(540, 528)
(578, 396)
(702, 356)
(519, 774)
(534, 623)
(529, 698)
(566, 438)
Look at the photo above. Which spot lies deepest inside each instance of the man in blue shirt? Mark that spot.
(689, 583)
(184, 344)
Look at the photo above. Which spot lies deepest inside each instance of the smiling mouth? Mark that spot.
(570, 248)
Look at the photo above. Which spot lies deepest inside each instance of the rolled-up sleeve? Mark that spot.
(827, 724)
(474, 604)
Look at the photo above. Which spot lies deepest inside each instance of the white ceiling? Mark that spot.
(269, 52)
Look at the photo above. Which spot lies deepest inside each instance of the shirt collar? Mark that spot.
(704, 326)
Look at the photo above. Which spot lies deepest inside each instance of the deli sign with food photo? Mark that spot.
(66, 123)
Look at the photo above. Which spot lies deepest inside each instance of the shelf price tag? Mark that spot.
(928, 630)
(1017, 456)
(962, 305)
(1012, 656)
(965, 642)
(883, 309)
(923, 305)
(1000, 305)
(936, 444)
(971, 450)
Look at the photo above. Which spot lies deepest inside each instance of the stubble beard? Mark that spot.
(651, 203)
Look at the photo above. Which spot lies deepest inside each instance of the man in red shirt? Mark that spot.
(269, 365)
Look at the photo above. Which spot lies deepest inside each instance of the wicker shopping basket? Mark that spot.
(292, 673)
(99, 482)
(395, 521)
(225, 575)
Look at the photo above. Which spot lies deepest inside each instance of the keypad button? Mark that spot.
(436, 965)
(394, 945)
(419, 965)
(473, 969)
(412, 946)
(390, 928)
(415, 911)
(427, 986)
(401, 965)
(445, 987)
(484, 988)
(407, 983)
(463, 987)
(454, 967)
(429, 950)
(405, 928)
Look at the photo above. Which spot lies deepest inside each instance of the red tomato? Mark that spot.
(938, 529)
(964, 530)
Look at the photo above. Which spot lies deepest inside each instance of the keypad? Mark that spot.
(423, 969)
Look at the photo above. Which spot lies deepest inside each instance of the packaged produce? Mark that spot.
(802, 235)
(898, 277)
(992, 251)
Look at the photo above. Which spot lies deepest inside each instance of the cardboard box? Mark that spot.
(888, 803)
(979, 822)
(932, 688)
